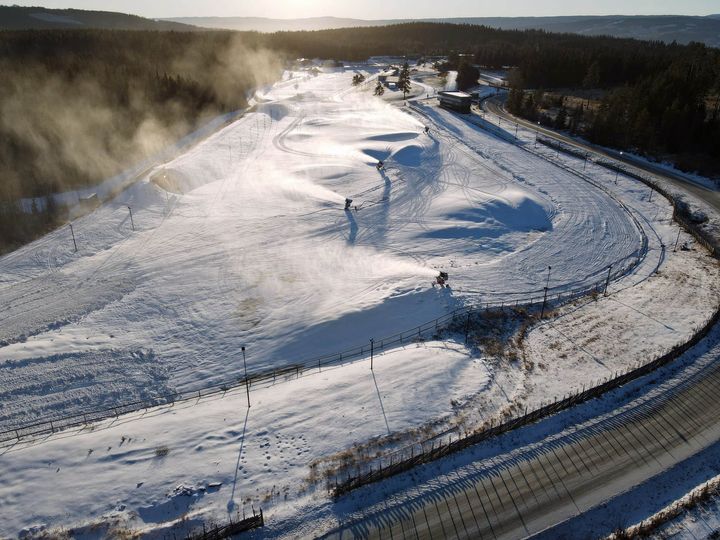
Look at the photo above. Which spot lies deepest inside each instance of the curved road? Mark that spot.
(523, 492)
(536, 487)
(710, 196)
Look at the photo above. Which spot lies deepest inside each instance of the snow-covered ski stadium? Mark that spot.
(245, 241)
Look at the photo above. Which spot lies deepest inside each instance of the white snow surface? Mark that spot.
(243, 240)
(251, 246)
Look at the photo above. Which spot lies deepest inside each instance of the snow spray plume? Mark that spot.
(75, 120)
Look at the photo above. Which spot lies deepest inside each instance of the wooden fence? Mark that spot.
(218, 532)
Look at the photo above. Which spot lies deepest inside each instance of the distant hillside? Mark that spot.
(263, 24)
(26, 18)
(668, 28)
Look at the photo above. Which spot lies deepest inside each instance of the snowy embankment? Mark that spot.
(244, 241)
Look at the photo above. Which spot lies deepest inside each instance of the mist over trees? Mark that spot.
(79, 106)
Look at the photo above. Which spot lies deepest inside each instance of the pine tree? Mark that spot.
(467, 76)
(379, 89)
(404, 80)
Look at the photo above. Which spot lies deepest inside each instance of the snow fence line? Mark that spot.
(231, 528)
(295, 370)
(432, 449)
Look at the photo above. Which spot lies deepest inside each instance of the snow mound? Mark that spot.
(276, 111)
(518, 210)
(409, 156)
(510, 211)
(394, 137)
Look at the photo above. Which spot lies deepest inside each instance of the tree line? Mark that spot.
(659, 99)
(79, 106)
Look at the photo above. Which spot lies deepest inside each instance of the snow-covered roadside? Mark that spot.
(592, 339)
(695, 515)
(379, 502)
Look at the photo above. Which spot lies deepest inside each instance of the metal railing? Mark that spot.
(297, 369)
(406, 458)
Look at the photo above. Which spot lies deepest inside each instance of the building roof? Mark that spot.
(455, 94)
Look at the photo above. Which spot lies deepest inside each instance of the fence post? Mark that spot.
(247, 381)
(467, 327)
(372, 352)
(72, 232)
(607, 281)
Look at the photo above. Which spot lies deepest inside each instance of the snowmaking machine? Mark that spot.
(441, 280)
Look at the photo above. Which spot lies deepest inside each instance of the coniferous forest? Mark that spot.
(80, 105)
(659, 99)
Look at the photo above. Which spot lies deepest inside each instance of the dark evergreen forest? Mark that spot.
(659, 98)
(80, 105)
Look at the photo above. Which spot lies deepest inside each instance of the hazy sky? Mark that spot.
(385, 9)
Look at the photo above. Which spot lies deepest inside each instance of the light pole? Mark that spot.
(247, 381)
(547, 284)
(73, 236)
(537, 133)
(607, 281)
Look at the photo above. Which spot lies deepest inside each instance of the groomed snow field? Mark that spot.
(244, 241)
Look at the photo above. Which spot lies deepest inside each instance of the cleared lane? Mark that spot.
(526, 492)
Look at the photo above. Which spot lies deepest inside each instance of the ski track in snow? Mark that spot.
(252, 247)
(255, 249)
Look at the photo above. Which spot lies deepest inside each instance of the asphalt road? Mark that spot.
(567, 474)
(712, 197)
(576, 470)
